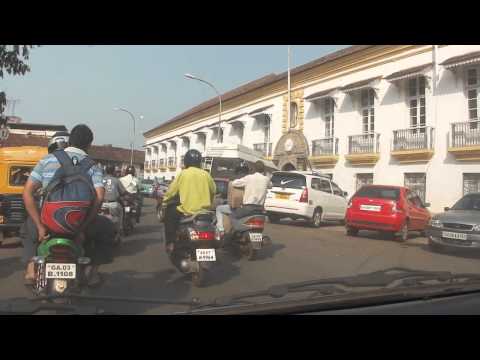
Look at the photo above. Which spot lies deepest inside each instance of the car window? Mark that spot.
(379, 192)
(336, 189)
(322, 185)
(289, 180)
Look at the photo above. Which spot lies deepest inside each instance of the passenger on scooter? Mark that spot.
(256, 186)
(94, 230)
(234, 198)
(195, 190)
(114, 190)
(130, 183)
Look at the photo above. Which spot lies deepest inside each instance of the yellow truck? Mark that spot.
(16, 163)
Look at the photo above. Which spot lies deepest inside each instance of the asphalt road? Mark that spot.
(142, 269)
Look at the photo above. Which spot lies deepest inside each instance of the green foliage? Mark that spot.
(13, 60)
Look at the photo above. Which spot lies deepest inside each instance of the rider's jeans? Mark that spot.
(117, 213)
(220, 211)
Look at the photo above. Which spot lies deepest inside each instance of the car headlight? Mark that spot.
(436, 223)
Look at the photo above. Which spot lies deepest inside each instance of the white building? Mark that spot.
(387, 114)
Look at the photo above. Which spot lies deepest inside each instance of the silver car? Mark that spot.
(457, 227)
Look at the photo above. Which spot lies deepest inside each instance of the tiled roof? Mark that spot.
(460, 60)
(97, 152)
(266, 80)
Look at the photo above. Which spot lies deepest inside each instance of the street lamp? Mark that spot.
(193, 77)
(133, 137)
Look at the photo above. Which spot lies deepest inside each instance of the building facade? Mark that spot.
(383, 114)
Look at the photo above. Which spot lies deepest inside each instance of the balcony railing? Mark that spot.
(161, 163)
(264, 148)
(323, 147)
(147, 165)
(413, 139)
(364, 144)
(154, 164)
(172, 162)
(465, 134)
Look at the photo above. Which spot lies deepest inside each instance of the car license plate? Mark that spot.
(453, 235)
(375, 208)
(282, 196)
(60, 271)
(256, 237)
(127, 209)
(206, 255)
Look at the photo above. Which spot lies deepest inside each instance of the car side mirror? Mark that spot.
(345, 194)
(446, 208)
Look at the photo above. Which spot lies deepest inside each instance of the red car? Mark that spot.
(390, 209)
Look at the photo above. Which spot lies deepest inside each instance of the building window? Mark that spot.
(417, 183)
(266, 127)
(471, 183)
(363, 179)
(473, 89)
(328, 117)
(416, 102)
(293, 115)
(368, 110)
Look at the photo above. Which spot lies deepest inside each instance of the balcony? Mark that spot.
(147, 165)
(264, 148)
(363, 150)
(464, 142)
(172, 163)
(154, 165)
(324, 152)
(161, 165)
(413, 145)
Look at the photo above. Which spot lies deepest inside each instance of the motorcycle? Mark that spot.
(244, 231)
(59, 268)
(129, 215)
(105, 211)
(195, 246)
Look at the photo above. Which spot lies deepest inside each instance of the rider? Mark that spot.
(95, 228)
(256, 186)
(131, 183)
(235, 198)
(113, 191)
(195, 189)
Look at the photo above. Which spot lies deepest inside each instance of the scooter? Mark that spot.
(59, 268)
(195, 246)
(244, 230)
(105, 211)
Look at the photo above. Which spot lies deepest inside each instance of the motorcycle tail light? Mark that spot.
(256, 222)
(202, 235)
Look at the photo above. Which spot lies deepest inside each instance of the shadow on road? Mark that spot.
(131, 247)
(146, 229)
(269, 251)
(10, 265)
(133, 284)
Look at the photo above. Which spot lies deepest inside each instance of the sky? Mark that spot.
(69, 85)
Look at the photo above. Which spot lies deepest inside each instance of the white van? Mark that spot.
(305, 195)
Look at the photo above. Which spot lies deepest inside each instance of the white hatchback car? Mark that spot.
(305, 195)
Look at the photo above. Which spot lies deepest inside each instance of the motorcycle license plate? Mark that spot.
(60, 271)
(206, 255)
(127, 209)
(256, 237)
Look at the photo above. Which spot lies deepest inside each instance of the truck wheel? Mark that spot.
(316, 220)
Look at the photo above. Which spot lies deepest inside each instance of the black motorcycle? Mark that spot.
(195, 246)
(130, 208)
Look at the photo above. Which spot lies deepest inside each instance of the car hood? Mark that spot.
(460, 216)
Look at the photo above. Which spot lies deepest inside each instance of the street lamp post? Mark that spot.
(190, 76)
(133, 135)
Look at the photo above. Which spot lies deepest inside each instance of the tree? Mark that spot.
(12, 60)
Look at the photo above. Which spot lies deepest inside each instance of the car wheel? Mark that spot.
(403, 233)
(316, 220)
(351, 231)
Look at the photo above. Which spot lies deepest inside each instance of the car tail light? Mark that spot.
(202, 235)
(256, 222)
(304, 196)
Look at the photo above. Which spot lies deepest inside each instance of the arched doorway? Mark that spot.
(288, 167)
